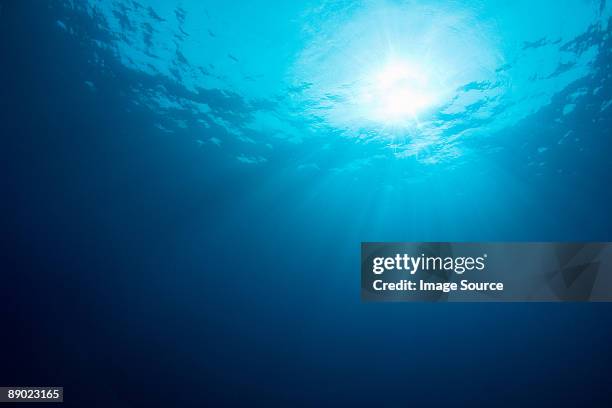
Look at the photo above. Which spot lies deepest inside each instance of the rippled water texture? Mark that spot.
(412, 80)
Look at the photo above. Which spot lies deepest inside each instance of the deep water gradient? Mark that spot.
(186, 185)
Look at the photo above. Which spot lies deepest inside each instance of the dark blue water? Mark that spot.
(157, 251)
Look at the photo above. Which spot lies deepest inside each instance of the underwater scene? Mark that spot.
(190, 182)
(415, 120)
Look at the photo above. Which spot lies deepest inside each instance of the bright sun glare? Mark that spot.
(397, 93)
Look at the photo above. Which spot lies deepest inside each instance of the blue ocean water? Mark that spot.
(189, 183)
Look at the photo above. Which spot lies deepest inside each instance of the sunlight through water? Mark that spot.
(397, 93)
(410, 79)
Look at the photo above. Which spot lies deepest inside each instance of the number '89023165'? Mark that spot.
(33, 394)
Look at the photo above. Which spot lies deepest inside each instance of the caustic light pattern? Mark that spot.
(407, 79)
